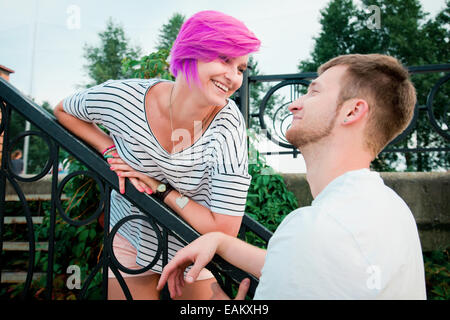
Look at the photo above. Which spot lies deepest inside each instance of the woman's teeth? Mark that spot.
(221, 86)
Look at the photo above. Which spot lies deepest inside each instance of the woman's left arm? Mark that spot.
(203, 219)
(198, 216)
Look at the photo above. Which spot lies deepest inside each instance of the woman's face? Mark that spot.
(221, 78)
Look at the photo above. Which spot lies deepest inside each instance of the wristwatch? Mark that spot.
(162, 191)
(161, 187)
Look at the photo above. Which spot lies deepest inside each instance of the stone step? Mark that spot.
(35, 190)
(18, 276)
(23, 246)
(33, 197)
(22, 220)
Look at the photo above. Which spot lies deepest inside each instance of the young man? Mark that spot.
(358, 239)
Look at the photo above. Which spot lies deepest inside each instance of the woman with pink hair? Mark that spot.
(183, 142)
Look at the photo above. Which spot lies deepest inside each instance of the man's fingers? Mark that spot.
(179, 282)
(243, 289)
(171, 268)
(192, 274)
(171, 283)
(162, 280)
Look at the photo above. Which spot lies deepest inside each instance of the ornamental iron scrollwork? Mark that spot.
(281, 118)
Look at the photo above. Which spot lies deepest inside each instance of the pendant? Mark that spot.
(181, 201)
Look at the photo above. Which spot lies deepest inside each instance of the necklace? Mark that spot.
(182, 200)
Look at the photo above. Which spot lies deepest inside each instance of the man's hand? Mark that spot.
(200, 252)
(219, 294)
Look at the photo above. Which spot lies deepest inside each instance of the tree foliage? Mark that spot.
(105, 60)
(169, 31)
(38, 151)
(406, 32)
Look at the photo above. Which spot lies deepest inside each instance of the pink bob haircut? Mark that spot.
(206, 36)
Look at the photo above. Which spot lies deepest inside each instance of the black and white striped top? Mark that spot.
(213, 171)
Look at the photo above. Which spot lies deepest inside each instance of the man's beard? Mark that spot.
(299, 137)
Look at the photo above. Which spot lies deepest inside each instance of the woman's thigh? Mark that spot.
(199, 290)
(141, 288)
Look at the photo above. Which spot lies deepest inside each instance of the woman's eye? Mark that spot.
(224, 59)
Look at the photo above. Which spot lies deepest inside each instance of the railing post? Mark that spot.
(105, 253)
(244, 98)
(6, 116)
(51, 236)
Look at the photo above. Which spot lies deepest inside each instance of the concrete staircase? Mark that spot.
(34, 191)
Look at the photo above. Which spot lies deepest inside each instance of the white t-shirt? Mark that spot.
(357, 240)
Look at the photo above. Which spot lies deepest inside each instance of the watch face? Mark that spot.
(161, 187)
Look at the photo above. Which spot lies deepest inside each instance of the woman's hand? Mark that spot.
(141, 182)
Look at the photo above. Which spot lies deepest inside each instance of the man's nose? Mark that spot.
(296, 105)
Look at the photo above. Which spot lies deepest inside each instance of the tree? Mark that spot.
(405, 33)
(335, 38)
(105, 61)
(169, 31)
(155, 64)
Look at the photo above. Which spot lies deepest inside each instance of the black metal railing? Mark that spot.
(156, 213)
(289, 86)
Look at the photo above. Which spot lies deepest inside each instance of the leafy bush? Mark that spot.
(268, 199)
(154, 65)
(437, 274)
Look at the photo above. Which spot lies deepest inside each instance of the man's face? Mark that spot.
(316, 112)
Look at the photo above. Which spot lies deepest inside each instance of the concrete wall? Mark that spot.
(426, 193)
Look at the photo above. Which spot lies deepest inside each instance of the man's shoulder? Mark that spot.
(303, 223)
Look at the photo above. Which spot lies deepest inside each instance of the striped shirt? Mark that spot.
(213, 171)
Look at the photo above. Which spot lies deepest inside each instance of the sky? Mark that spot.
(58, 30)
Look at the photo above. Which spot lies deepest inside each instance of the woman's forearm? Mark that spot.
(202, 219)
(88, 132)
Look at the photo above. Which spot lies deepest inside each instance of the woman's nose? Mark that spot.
(231, 75)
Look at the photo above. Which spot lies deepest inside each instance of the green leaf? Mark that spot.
(92, 234)
(83, 235)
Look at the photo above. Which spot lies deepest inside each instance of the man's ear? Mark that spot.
(355, 110)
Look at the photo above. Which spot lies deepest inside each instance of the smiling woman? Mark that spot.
(183, 141)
